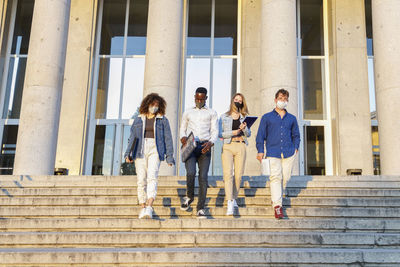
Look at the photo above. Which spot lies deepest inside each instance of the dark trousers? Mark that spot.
(203, 161)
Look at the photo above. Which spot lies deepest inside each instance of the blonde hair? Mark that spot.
(232, 108)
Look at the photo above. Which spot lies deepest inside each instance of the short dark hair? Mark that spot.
(150, 99)
(201, 90)
(283, 92)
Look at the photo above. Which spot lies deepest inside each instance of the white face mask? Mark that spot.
(153, 109)
(281, 104)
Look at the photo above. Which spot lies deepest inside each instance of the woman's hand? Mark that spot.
(242, 126)
(127, 160)
(236, 132)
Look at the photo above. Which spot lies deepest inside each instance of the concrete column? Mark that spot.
(70, 146)
(250, 74)
(38, 128)
(386, 32)
(353, 121)
(163, 58)
(278, 54)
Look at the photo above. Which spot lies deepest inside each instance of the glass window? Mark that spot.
(371, 85)
(314, 150)
(103, 150)
(22, 28)
(137, 27)
(312, 30)
(225, 33)
(197, 75)
(8, 146)
(368, 24)
(224, 83)
(15, 85)
(199, 28)
(313, 89)
(113, 27)
(109, 87)
(133, 86)
(14, 65)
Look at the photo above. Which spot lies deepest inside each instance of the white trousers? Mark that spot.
(281, 170)
(147, 171)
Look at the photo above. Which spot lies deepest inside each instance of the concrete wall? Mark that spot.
(350, 94)
(72, 130)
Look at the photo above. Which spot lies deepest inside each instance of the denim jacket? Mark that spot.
(225, 128)
(163, 138)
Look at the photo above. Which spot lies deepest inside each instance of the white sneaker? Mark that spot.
(235, 205)
(230, 208)
(142, 213)
(148, 212)
(201, 214)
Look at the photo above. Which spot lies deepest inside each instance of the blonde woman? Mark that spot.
(234, 133)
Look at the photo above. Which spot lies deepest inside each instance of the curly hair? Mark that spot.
(150, 99)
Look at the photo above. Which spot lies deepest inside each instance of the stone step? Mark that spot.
(199, 239)
(380, 225)
(211, 192)
(130, 178)
(199, 256)
(173, 212)
(182, 184)
(211, 202)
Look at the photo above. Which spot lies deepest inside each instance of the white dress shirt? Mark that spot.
(202, 122)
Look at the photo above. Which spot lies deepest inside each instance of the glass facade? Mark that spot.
(118, 87)
(313, 116)
(16, 55)
(211, 59)
(371, 85)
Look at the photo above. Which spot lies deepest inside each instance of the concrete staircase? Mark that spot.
(92, 221)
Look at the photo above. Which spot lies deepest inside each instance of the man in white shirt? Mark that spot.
(203, 122)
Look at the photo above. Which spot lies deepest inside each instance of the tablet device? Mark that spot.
(249, 120)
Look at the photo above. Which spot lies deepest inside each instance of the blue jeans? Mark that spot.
(203, 160)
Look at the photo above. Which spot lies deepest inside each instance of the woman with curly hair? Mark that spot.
(234, 132)
(152, 140)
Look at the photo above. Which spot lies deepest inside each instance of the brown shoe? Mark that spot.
(278, 212)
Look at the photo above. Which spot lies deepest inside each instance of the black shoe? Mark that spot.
(201, 214)
(186, 203)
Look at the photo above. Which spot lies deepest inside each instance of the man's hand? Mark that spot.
(127, 160)
(206, 147)
(260, 157)
(183, 140)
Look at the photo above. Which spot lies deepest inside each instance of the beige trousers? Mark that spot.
(233, 158)
(281, 169)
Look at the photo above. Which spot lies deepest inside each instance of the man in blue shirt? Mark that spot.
(279, 132)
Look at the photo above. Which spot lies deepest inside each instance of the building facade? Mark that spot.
(73, 73)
